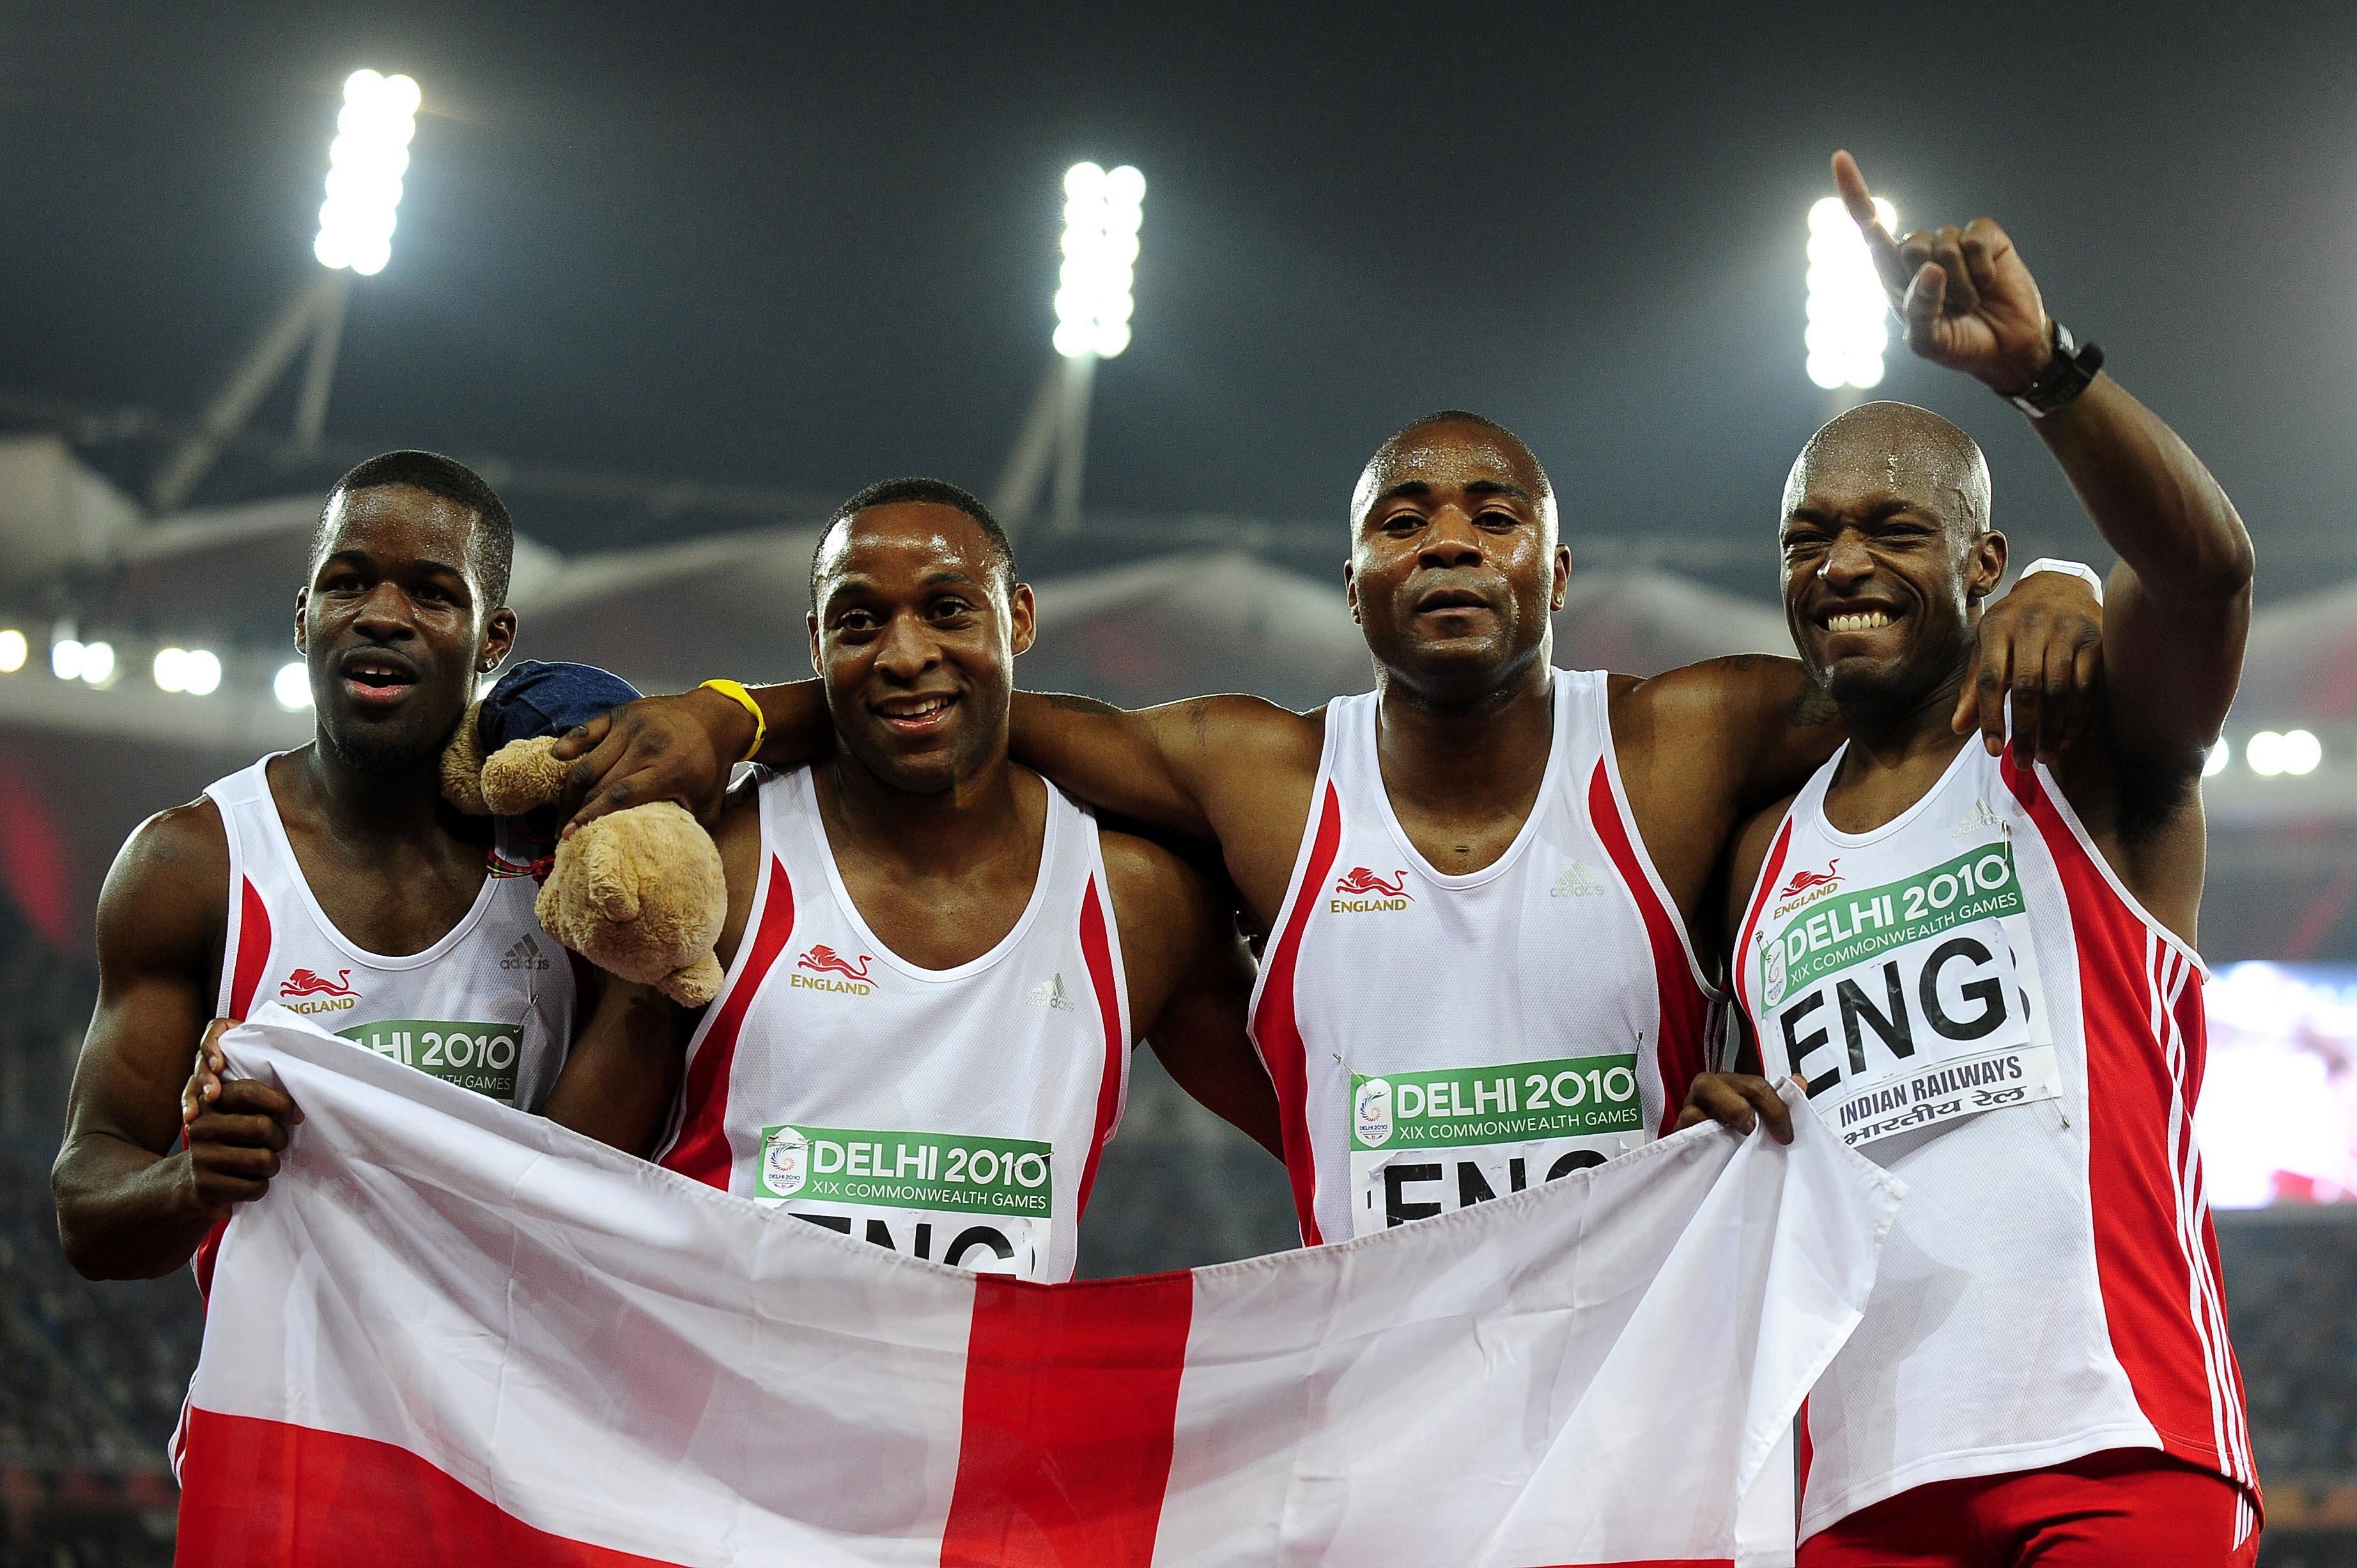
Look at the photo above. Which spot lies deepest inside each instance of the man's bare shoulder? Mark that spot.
(168, 887)
(1745, 679)
(1270, 732)
(1144, 875)
(184, 845)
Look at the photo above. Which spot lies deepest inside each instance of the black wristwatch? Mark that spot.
(2066, 375)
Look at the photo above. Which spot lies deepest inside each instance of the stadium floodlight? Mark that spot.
(292, 686)
(365, 163)
(190, 670)
(1846, 330)
(97, 663)
(2296, 752)
(201, 672)
(2215, 763)
(13, 650)
(65, 658)
(1103, 210)
(2302, 752)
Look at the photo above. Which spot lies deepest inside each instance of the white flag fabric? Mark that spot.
(453, 1333)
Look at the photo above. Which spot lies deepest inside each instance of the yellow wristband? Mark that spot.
(735, 691)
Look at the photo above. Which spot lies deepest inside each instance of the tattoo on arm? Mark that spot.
(1811, 707)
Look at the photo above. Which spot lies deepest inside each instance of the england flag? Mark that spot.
(453, 1333)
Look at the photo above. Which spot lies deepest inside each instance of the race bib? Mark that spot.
(481, 1057)
(1426, 1142)
(1914, 1004)
(984, 1204)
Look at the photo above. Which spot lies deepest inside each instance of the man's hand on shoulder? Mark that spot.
(2041, 645)
(679, 748)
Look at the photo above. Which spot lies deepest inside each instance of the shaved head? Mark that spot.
(1910, 451)
(1888, 554)
(1410, 449)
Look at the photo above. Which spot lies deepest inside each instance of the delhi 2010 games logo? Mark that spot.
(1771, 970)
(1371, 1108)
(785, 1160)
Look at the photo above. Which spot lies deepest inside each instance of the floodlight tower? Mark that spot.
(1103, 210)
(365, 164)
(1846, 330)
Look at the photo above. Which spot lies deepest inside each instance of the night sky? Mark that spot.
(806, 247)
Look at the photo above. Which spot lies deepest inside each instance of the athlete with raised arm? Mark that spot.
(1981, 968)
(334, 880)
(1475, 883)
(936, 960)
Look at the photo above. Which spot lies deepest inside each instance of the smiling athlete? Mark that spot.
(937, 961)
(333, 880)
(1981, 968)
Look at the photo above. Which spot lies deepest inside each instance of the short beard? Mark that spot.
(1874, 702)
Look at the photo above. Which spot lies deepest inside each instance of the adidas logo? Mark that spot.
(1577, 882)
(1050, 994)
(525, 954)
(1980, 820)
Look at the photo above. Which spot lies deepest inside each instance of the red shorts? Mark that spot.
(2123, 1506)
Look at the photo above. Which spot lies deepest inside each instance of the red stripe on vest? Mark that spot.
(1808, 1449)
(1070, 1393)
(1684, 1007)
(262, 1494)
(252, 951)
(700, 1150)
(1098, 951)
(1276, 1030)
(245, 977)
(2147, 1274)
(1738, 968)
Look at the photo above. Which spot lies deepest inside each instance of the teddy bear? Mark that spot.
(638, 892)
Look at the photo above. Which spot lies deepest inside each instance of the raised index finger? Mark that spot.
(1859, 201)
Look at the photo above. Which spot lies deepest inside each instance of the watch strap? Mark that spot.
(2070, 370)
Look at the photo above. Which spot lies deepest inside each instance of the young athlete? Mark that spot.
(1981, 966)
(333, 880)
(937, 961)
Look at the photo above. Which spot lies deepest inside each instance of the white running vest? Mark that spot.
(490, 1007)
(1977, 1005)
(955, 1114)
(1436, 1039)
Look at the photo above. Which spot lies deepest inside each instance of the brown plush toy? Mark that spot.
(638, 892)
